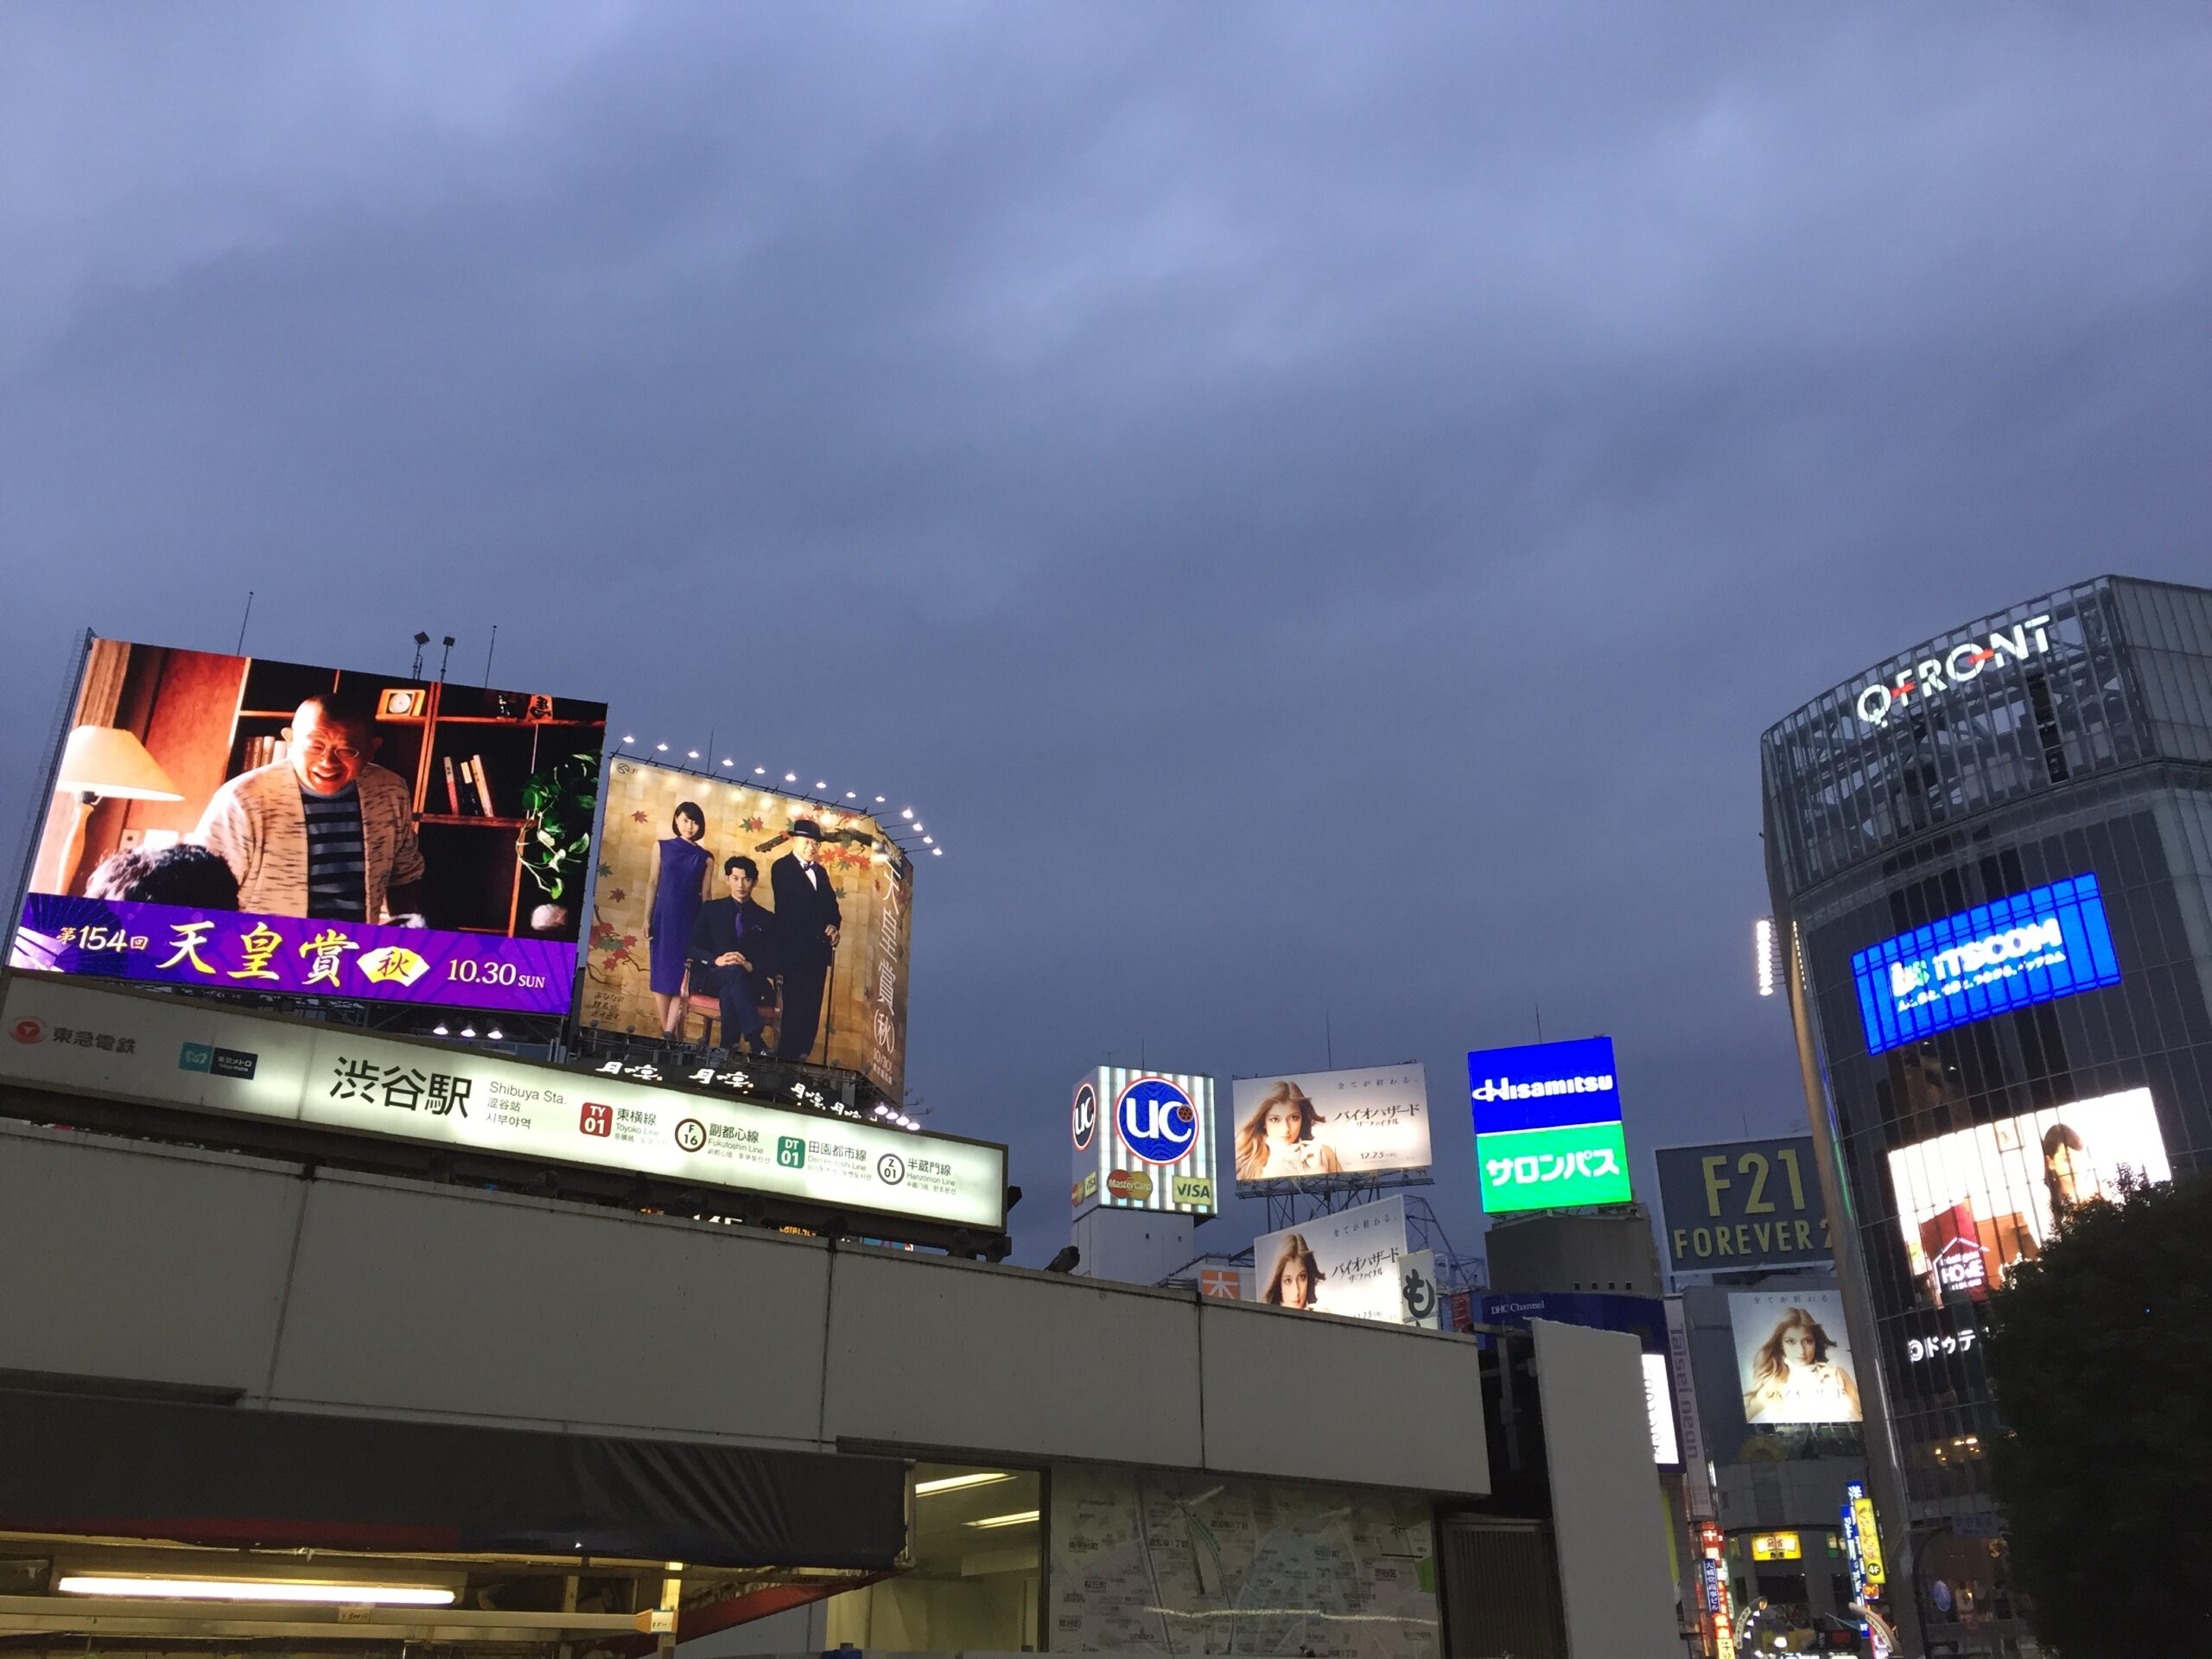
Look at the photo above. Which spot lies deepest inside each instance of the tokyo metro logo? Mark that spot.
(1156, 1121)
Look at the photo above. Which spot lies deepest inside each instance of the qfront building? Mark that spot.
(1989, 860)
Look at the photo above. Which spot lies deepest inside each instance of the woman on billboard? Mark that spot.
(2069, 1175)
(1793, 1379)
(1276, 1142)
(682, 869)
(1296, 1281)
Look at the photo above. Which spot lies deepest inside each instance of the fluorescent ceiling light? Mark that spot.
(954, 1482)
(396, 1595)
(1019, 1518)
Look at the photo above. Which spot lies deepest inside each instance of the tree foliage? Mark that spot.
(2101, 1355)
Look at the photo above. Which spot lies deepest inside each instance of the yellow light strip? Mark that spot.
(960, 1483)
(396, 1595)
(1019, 1518)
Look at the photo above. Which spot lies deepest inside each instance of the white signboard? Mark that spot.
(179, 1052)
(1293, 1125)
(1347, 1262)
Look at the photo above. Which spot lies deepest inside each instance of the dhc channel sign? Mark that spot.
(2013, 953)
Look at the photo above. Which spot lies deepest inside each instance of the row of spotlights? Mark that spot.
(907, 812)
(494, 1035)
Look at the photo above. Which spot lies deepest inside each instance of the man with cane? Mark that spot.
(807, 920)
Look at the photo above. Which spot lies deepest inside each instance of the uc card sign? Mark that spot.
(2011, 953)
(1547, 1126)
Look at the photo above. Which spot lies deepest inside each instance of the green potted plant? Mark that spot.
(560, 799)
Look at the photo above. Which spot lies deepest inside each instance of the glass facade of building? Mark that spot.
(2064, 738)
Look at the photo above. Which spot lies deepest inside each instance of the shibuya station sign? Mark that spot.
(1931, 676)
(177, 1050)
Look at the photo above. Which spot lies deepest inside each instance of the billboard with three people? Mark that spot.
(782, 921)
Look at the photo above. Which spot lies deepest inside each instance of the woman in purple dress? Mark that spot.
(677, 886)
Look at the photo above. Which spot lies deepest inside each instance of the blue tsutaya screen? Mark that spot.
(2013, 953)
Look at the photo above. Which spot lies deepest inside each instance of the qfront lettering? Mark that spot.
(1963, 663)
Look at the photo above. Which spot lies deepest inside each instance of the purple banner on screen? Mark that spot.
(239, 951)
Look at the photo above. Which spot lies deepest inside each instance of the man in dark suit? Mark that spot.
(807, 919)
(733, 952)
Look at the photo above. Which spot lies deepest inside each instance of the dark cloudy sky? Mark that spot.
(1314, 503)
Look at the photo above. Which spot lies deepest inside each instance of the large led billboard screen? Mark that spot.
(1143, 1140)
(1294, 1126)
(800, 951)
(1547, 1126)
(239, 824)
(1974, 1205)
(2013, 953)
(1793, 1357)
(1345, 1262)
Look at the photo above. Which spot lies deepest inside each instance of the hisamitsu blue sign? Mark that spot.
(2046, 943)
(1543, 1085)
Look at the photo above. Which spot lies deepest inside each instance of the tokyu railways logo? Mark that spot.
(1156, 1121)
(1955, 667)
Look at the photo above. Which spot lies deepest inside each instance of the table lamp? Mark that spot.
(105, 763)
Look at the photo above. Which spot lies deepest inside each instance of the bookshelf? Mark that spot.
(476, 882)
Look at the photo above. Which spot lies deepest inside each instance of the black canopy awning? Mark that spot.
(113, 1467)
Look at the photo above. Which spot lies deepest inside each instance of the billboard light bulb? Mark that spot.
(692, 754)
(905, 811)
(936, 851)
(663, 747)
(629, 739)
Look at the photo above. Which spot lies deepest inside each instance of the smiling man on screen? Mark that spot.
(323, 833)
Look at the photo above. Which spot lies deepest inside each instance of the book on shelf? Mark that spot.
(262, 752)
(468, 808)
(453, 788)
(484, 790)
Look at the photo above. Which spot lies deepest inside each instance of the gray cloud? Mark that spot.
(1315, 505)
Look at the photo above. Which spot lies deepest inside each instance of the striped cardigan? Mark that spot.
(257, 824)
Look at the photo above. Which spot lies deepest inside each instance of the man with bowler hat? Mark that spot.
(807, 919)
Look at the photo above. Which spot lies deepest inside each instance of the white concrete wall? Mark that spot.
(1608, 1517)
(1387, 1406)
(363, 1293)
(931, 1352)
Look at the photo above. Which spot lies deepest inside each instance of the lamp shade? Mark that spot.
(107, 761)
